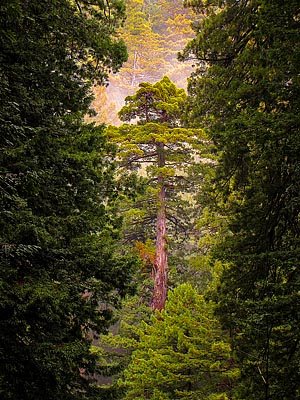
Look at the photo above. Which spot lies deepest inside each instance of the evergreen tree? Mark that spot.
(181, 354)
(114, 349)
(158, 142)
(246, 90)
(145, 59)
(60, 272)
(173, 24)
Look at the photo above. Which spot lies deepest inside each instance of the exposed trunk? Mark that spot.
(161, 255)
(134, 67)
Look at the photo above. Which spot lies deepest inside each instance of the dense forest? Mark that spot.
(150, 200)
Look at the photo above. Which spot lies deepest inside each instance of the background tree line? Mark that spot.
(154, 32)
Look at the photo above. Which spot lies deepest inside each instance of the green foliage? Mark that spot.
(160, 102)
(113, 350)
(246, 91)
(144, 48)
(154, 32)
(181, 353)
(59, 258)
(158, 108)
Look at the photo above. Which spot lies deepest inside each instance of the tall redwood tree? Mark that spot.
(164, 148)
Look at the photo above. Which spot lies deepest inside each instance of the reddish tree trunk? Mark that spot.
(161, 255)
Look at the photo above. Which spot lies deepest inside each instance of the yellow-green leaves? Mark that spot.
(182, 353)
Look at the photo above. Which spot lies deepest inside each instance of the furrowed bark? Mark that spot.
(161, 255)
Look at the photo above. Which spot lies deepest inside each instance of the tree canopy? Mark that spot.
(182, 353)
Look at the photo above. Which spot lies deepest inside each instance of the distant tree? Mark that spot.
(60, 272)
(162, 11)
(154, 32)
(181, 353)
(145, 59)
(166, 151)
(172, 22)
(246, 92)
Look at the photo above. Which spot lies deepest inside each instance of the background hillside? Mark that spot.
(154, 32)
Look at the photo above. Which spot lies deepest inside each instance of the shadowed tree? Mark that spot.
(58, 236)
(246, 93)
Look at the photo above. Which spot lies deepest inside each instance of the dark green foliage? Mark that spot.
(246, 90)
(60, 272)
(114, 349)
